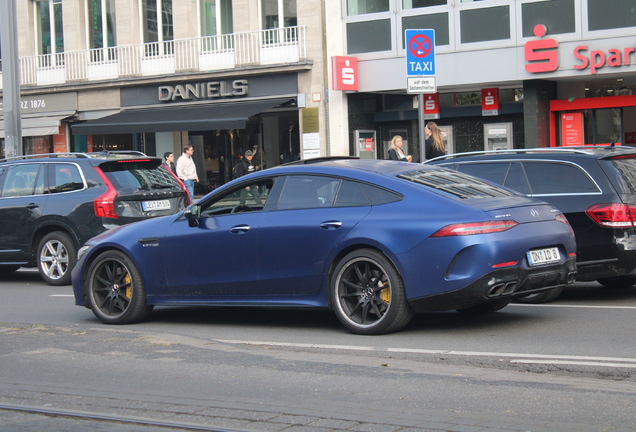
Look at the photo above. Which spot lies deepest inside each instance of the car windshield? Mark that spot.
(138, 175)
(456, 184)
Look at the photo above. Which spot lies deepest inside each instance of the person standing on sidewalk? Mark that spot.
(187, 170)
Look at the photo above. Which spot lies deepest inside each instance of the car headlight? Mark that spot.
(82, 251)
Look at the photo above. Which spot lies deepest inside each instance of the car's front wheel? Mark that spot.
(56, 257)
(367, 294)
(115, 291)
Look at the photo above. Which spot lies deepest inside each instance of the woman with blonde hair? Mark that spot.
(396, 152)
(434, 144)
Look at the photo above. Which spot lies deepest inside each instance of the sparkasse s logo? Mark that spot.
(541, 55)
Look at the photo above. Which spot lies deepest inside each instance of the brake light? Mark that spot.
(471, 228)
(133, 160)
(105, 203)
(613, 215)
(561, 218)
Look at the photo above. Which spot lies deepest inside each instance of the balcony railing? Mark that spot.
(267, 47)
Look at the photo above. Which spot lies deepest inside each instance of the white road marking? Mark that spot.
(516, 357)
(571, 306)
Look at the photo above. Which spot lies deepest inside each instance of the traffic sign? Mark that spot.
(416, 85)
(420, 52)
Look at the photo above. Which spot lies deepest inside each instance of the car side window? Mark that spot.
(302, 192)
(351, 194)
(516, 179)
(247, 198)
(64, 178)
(20, 180)
(495, 172)
(557, 178)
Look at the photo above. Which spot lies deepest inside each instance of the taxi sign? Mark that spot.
(420, 52)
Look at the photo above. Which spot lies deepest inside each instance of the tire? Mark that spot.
(56, 258)
(114, 289)
(367, 294)
(542, 297)
(485, 308)
(618, 282)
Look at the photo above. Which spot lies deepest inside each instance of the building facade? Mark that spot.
(154, 75)
(509, 73)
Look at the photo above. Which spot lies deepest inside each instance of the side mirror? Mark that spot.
(193, 214)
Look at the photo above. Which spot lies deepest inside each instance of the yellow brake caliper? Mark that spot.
(128, 290)
(385, 294)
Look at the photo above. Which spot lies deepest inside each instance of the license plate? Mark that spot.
(543, 256)
(155, 205)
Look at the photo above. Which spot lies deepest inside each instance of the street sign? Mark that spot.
(420, 52)
(416, 85)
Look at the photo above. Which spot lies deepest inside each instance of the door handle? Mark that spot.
(32, 206)
(240, 229)
(331, 225)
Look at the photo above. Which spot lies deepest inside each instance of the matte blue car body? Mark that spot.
(400, 230)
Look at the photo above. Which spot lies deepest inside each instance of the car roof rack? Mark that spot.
(517, 151)
(117, 152)
(320, 159)
(46, 155)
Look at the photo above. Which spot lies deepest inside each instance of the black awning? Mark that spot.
(199, 118)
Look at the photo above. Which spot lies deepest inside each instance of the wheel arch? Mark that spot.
(48, 228)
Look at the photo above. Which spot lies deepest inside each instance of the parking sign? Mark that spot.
(420, 52)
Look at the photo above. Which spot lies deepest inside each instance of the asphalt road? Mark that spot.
(567, 365)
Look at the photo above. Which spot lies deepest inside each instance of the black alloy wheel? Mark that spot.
(115, 289)
(367, 294)
(56, 258)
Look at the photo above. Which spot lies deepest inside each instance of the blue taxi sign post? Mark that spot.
(420, 73)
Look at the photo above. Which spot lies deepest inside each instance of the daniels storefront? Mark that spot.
(221, 118)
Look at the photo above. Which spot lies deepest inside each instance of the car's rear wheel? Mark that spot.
(115, 291)
(485, 308)
(56, 258)
(542, 297)
(367, 294)
(618, 282)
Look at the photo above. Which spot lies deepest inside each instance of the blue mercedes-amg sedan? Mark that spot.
(376, 241)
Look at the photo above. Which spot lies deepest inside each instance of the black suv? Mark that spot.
(595, 187)
(51, 204)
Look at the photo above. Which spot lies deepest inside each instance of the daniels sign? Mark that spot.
(208, 90)
(543, 55)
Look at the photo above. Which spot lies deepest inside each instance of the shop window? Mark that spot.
(485, 24)
(556, 15)
(413, 4)
(157, 27)
(604, 14)
(437, 22)
(467, 98)
(361, 7)
(101, 24)
(50, 31)
(369, 36)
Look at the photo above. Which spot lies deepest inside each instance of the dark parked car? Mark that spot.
(50, 205)
(375, 241)
(595, 187)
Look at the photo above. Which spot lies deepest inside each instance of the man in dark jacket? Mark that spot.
(244, 167)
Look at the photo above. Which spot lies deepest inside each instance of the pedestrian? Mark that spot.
(245, 167)
(187, 170)
(168, 162)
(434, 144)
(257, 159)
(290, 143)
(395, 151)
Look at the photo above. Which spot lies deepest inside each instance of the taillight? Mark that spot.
(471, 228)
(105, 203)
(562, 219)
(613, 215)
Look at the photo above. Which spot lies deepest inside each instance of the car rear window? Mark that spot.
(138, 175)
(456, 184)
(627, 168)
